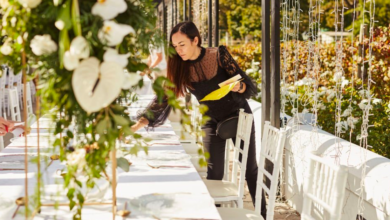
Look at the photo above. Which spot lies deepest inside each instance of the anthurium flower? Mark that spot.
(111, 55)
(109, 9)
(95, 85)
(113, 33)
(43, 45)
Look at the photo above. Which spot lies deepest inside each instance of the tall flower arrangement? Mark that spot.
(85, 54)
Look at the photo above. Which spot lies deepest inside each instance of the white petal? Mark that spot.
(71, 61)
(113, 33)
(111, 55)
(84, 80)
(30, 3)
(59, 24)
(110, 81)
(43, 45)
(131, 79)
(79, 47)
(6, 49)
(109, 9)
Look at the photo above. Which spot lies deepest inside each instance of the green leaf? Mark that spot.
(72, 204)
(69, 134)
(63, 46)
(101, 126)
(70, 193)
(76, 18)
(80, 197)
(120, 120)
(64, 15)
(123, 164)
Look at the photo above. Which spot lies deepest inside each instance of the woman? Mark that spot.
(200, 70)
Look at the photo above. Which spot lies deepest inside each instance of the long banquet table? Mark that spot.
(164, 193)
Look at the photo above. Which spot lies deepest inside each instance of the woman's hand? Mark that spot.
(142, 122)
(236, 88)
(5, 126)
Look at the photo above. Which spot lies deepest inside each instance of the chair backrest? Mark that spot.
(29, 101)
(11, 78)
(272, 145)
(14, 104)
(3, 80)
(244, 128)
(324, 189)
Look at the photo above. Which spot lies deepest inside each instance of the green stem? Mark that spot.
(76, 18)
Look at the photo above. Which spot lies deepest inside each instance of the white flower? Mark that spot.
(341, 126)
(337, 76)
(30, 3)
(111, 55)
(71, 61)
(131, 79)
(76, 158)
(43, 45)
(91, 94)
(377, 101)
(109, 9)
(331, 95)
(79, 47)
(13, 21)
(6, 49)
(60, 24)
(364, 105)
(344, 82)
(248, 71)
(347, 112)
(352, 121)
(113, 33)
(4, 4)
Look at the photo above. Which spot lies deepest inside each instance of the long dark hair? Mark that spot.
(179, 70)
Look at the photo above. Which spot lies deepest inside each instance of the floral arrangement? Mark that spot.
(85, 55)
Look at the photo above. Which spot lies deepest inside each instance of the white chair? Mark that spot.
(19, 85)
(33, 91)
(3, 91)
(10, 85)
(324, 190)
(14, 104)
(271, 149)
(233, 190)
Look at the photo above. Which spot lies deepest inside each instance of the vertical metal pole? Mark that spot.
(216, 27)
(184, 10)
(275, 64)
(164, 24)
(172, 14)
(189, 10)
(210, 18)
(265, 64)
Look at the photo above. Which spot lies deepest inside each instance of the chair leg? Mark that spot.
(240, 203)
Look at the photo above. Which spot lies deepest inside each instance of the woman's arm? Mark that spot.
(154, 115)
(226, 61)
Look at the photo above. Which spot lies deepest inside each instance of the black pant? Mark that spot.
(215, 146)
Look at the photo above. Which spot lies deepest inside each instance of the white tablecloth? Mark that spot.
(165, 192)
